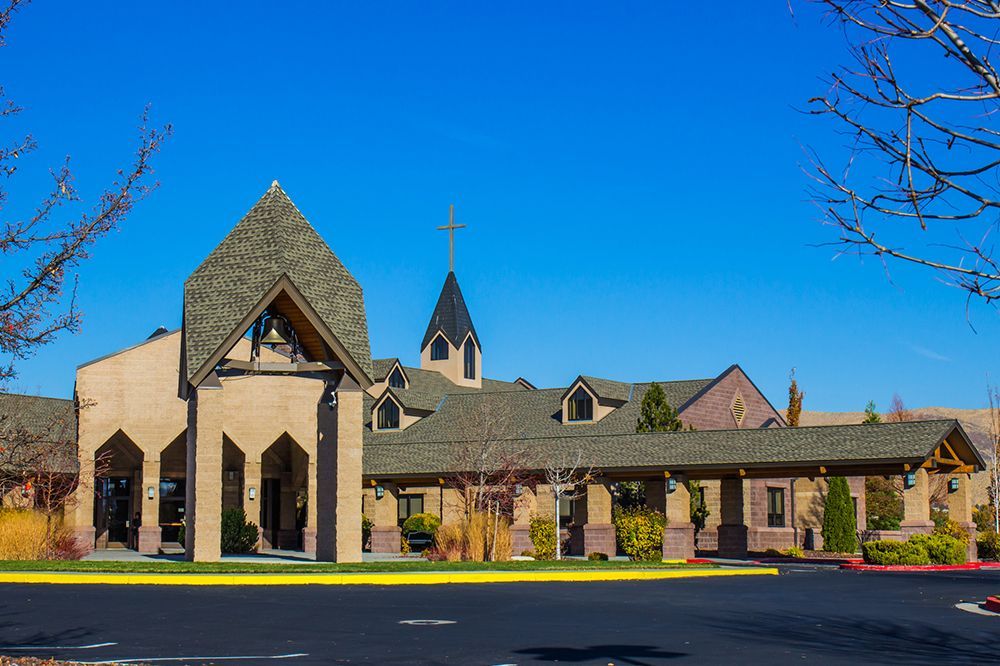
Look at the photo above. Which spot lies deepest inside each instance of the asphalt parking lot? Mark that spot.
(806, 614)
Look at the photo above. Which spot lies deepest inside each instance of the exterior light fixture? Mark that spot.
(232, 475)
(518, 489)
(379, 492)
(909, 480)
(613, 487)
(150, 492)
(252, 492)
(953, 485)
(671, 485)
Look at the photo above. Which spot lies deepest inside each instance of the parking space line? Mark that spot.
(55, 647)
(133, 660)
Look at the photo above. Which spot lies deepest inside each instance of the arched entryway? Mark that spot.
(118, 492)
(283, 494)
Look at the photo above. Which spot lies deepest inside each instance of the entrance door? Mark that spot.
(115, 509)
(270, 510)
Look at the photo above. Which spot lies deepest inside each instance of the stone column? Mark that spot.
(524, 507)
(338, 475)
(733, 530)
(917, 507)
(149, 530)
(309, 533)
(252, 479)
(384, 515)
(598, 531)
(82, 513)
(203, 510)
(678, 535)
(960, 510)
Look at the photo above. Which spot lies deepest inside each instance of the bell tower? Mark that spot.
(451, 345)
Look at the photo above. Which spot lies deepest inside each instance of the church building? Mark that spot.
(267, 399)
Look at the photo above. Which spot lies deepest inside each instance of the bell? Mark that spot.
(275, 332)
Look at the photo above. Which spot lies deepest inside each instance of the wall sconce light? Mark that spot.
(953, 485)
(232, 475)
(613, 487)
(379, 492)
(150, 492)
(909, 480)
(671, 485)
(252, 492)
(518, 489)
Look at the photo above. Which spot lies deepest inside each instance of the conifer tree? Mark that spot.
(871, 416)
(656, 414)
(794, 401)
(840, 527)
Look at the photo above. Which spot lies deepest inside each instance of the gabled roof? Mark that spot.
(38, 428)
(273, 241)
(381, 367)
(451, 316)
(605, 389)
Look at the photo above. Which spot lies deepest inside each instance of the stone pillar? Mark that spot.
(309, 533)
(149, 529)
(960, 510)
(384, 514)
(252, 480)
(598, 531)
(82, 514)
(733, 530)
(917, 507)
(524, 508)
(338, 475)
(678, 535)
(203, 510)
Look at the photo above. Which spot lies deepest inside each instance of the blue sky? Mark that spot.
(630, 174)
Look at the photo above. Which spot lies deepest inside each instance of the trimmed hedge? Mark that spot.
(421, 522)
(894, 552)
(639, 532)
(941, 548)
(989, 546)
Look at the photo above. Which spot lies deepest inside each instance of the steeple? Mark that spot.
(451, 344)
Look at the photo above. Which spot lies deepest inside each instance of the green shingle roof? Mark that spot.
(850, 444)
(381, 367)
(272, 240)
(31, 424)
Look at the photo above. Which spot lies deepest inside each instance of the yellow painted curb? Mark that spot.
(391, 578)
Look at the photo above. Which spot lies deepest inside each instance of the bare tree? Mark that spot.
(45, 247)
(492, 464)
(569, 481)
(923, 153)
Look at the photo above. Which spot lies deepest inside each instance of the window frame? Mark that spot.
(469, 358)
(408, 499)
(439, 348)
(396, 372)
(775, 519)
(573, 414)
(380, 419)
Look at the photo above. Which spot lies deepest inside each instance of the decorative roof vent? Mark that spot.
(739, 409)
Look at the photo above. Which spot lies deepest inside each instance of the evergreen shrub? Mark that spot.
(542, 532)
(238, 534)
(941, 548)
(598, 557)
(989, 546)
(840, 527)
(421, 522)
(894, 552)
(639, 532)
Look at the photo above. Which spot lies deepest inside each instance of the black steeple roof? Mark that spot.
(450, 317)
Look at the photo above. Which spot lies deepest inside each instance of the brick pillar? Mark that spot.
(733, 530)
(149, 530)
(598, 531)
(338, 475)
(960, 510)
(309, 533)
(82, 509)
(678, 535)
(917, 507)
(384, 514)
(524, 507)
(203, 510)
(252, 479)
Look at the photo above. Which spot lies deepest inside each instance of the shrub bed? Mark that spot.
(941, 548)
(894, 552)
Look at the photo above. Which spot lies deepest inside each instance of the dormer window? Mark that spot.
(388, 416)
(396, 379)
(470, 358)
(439, 349)
(581, 406)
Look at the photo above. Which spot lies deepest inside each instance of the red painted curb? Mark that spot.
(990, 565)
(992, 604)
(969, 566)
(699, 560)
(811, 560)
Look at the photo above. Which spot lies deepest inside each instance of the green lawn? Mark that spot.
(368, 567)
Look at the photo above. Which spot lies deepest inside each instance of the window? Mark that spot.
(470, 358)
(775, 507)
(581, 406)
(396, 379)
(439, 349)
(388, 415)
(566, 507)
(409, 505)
